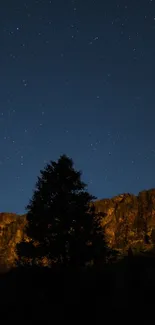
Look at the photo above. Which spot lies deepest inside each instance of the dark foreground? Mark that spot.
(121, 292)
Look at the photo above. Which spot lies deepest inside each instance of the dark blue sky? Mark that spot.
(77, 77)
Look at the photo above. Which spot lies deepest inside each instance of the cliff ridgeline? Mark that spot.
(127, 220)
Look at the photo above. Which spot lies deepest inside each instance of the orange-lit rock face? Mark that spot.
(11, 233)
(127, 220)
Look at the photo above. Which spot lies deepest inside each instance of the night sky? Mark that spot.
(77, 77)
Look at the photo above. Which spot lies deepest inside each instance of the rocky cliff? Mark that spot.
(128, 221)
(12, 228)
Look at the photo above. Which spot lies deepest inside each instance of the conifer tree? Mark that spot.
(62, 222)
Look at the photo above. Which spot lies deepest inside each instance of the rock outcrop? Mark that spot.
(128, 221)
(12, 231)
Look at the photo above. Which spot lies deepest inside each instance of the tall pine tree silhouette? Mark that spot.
(61, 218)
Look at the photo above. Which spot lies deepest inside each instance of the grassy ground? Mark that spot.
(121, 291)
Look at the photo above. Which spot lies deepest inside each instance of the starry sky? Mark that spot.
(77, 77)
